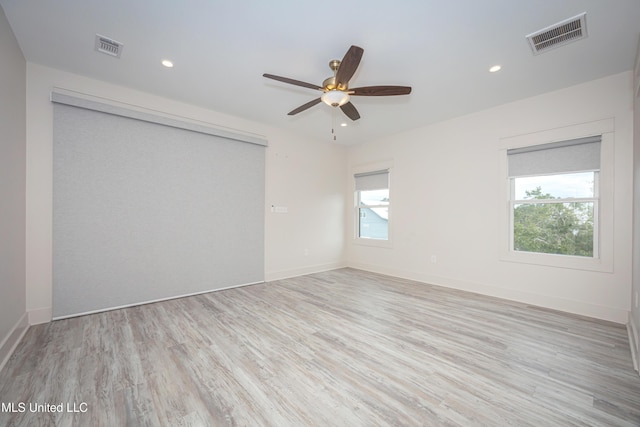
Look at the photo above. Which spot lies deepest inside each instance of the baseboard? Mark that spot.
(634, 343)
(610, 314)
(295, 272)
(45, 315)
(135, 304)
(11, 341)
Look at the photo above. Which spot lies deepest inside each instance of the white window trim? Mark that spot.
(380, 243)
(603, 231)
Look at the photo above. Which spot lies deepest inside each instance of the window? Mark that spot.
(554, 197)
(372, 205)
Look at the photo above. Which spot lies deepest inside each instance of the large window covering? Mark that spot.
(146, 209)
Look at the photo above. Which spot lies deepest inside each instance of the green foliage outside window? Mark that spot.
(564, 228)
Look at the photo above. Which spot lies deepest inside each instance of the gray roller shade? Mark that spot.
(144, 211)
(557, 157)
(375, 180)
(104, 107)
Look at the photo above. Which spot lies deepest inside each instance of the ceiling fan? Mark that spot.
(336, 89)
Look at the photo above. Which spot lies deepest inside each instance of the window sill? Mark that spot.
(378, 243)
(559, 261)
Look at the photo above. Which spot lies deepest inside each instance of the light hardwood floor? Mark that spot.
(340, 348)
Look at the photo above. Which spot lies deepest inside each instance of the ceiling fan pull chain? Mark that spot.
(333, 123)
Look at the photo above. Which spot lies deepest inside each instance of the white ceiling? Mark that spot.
(442, 48)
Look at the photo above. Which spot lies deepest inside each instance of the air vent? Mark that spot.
(108, 46)
(559, 34)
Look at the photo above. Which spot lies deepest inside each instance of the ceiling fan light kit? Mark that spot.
(335, 98)
(336, 92)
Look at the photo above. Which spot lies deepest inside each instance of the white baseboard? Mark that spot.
(102, 310)
(610, 314)
(295, 272)
(45, 314)
(11, 341)
(634, 342)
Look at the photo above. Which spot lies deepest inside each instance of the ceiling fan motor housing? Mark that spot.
(330, 84)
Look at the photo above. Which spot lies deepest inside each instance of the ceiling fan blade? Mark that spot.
(305, 106)
(380, 90)
(292, 81)
(349, 65)
(350, 110)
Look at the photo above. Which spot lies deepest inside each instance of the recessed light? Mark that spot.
(344, 125)
(495, 68)
(167, 63)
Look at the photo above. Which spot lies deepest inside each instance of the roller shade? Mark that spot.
(144, 211)
(574, 155)
(103, 106)
(374, 180)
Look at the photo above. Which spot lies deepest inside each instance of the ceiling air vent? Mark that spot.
(559, 34)
(108, 46)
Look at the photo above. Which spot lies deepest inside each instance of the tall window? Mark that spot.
(372, 204)
(554, 197)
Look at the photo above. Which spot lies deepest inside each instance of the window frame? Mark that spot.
(513, 202)
(366, 241)
(605, 220)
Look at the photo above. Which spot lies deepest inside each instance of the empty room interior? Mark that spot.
(311, 214)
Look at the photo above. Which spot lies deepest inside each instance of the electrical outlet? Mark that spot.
(434, 259)
(636, 299)
(279, 209)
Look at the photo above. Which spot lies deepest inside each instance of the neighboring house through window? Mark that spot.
(372, 205)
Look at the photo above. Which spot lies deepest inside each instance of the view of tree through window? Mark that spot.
(558, 219)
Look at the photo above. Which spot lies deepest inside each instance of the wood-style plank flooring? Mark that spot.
(340, 348)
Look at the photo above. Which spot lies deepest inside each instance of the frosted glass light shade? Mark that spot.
(335, 98)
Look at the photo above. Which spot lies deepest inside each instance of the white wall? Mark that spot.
(447, 202)
(13, 321)
(634, 317)
(308, 180)
(305, 176)
(433, 168)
